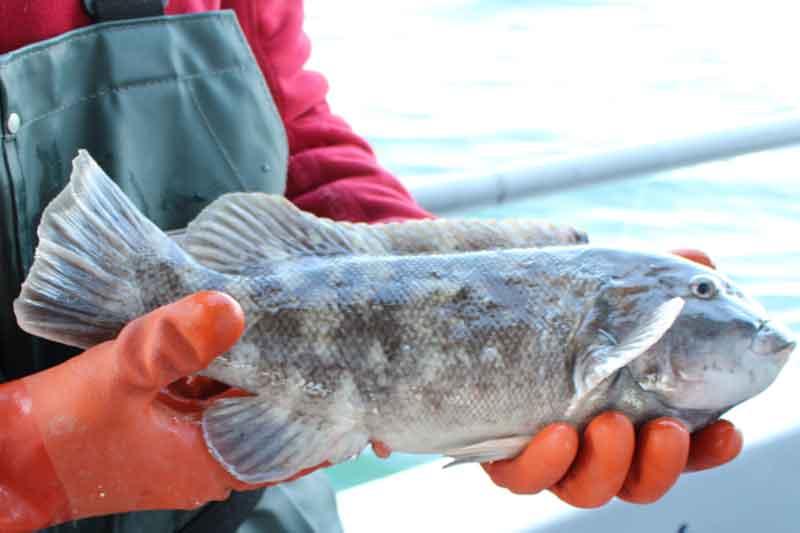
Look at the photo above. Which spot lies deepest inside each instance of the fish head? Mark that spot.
(722, 348)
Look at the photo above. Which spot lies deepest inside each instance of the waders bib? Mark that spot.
(176, 110)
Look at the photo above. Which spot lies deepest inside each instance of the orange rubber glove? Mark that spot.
(95, 435)
(610, 460)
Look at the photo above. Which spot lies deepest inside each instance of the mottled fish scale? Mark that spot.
(442, 344)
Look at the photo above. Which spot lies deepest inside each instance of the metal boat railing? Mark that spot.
(451, 192)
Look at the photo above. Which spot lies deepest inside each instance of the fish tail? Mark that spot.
(83, 288)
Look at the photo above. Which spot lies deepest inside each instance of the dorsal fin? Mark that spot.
(445, 235)
(241, 233)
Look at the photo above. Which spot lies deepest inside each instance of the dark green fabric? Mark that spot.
(307, 505)
(176, 110)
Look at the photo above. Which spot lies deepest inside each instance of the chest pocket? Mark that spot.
(175, 110)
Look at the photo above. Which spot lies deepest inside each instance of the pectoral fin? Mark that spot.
(606, 357)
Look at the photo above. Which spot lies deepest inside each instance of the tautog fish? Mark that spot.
(455, 337)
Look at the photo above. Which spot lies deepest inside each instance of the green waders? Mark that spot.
(176, 110)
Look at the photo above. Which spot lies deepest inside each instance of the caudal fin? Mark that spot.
(82, 288)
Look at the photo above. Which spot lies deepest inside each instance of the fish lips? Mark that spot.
(773, 340)
(784, 353)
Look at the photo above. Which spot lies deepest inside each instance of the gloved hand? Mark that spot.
(96, 436)
(611, 460)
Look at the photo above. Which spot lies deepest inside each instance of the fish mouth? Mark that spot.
(785, 351)
(773, 339)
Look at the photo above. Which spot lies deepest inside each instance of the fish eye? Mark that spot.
(703, 287)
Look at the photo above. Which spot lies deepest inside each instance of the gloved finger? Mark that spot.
(713, 446)
(662, 450)
(177, 340)
(695, 255)
(541, 464)
(603, 461)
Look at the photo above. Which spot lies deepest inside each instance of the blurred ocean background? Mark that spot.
(451, 86)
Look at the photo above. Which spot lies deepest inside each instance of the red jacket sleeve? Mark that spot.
(332, 171)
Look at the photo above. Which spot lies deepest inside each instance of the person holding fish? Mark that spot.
(182, 104)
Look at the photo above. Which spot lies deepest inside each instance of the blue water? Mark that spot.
(442, 86)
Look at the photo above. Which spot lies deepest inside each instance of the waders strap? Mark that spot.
(105, 10)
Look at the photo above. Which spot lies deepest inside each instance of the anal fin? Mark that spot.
(258, 442)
